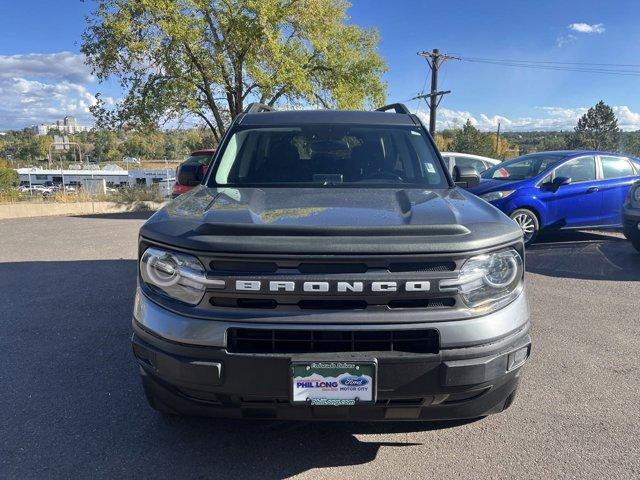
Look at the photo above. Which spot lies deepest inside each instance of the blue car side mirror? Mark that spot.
(560, 181)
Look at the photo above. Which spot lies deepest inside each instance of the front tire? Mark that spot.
(636, 243)
(528, 222)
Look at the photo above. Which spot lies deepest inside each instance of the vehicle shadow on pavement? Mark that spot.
(134, 215)
(75, 407)
(584, 255)
(268, 449)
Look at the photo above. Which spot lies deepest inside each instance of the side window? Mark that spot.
(616, 167)
(477, 165)
(578, 170)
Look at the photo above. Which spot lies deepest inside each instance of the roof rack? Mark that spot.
(396, 107)
(258, 107)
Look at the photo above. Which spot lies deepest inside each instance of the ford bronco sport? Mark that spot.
(328, 267)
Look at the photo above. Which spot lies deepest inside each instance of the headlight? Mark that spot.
(488, 282)
(491, 196)
(176, 275)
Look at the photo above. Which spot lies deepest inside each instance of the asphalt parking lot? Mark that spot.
(72, 405)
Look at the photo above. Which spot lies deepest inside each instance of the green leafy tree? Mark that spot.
(597, 129)
(8, 176)
(471, 140)
(106, 147)
(144, 145)
(207, 58)
(553, 141)
(631, 143)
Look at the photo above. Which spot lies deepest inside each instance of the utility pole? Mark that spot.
(498, 138)
(435, 59)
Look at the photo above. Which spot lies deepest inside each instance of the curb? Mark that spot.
(28, 210)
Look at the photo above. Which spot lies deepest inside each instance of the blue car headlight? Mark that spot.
(491, 196)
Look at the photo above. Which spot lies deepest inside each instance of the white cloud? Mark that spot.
(587, 28)
(62, 66)
(627, 120)
(565, 40)
(25, 102)
(41, 88)
(547, 118)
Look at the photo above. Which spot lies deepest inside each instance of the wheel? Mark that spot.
(528, 222)
(636, 243)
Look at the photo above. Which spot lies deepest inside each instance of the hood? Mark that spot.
(331, 220)
(493, 185)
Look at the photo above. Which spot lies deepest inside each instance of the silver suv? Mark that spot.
(328, 266)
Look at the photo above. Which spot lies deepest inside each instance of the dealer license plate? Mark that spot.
(333, 383)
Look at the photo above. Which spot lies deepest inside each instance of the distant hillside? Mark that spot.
(528, 142)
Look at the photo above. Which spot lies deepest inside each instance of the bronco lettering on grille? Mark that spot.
(320, 287)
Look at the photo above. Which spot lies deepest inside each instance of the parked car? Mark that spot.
(631, 216)
(131, 160)
(55, 187)
(478, 163)
(191, 172)
(329, 268)
(42, 190)
(560, 189)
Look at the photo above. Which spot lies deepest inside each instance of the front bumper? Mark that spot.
(465, 380)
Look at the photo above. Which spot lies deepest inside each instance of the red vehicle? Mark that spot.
(190, 172)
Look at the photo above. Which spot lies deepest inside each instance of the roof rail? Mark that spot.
(396, 107)
(258, 107)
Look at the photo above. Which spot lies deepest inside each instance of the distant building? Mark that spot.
(67, 125)
(114, 176)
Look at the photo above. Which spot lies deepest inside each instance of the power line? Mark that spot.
(635, 65)
(539, 66)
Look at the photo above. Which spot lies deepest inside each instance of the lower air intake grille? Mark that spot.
(259, 340)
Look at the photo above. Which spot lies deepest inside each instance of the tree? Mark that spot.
(502, 148)
(144, 145)
(106, 147)
(8, 176)
(206, 58)
(471, 140)
(553, 141)
(444, 139)
(631, 144)
(597, 129)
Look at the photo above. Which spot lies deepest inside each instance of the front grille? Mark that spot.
(248, 267)
(265, 340)
(330, 269)
(337, 304)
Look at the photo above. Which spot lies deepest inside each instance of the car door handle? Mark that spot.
(592, 189)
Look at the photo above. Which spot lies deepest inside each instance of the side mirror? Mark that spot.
(190, 175)
(560, 181)
(466, 177)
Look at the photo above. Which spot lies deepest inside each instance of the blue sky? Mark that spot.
(42, 77)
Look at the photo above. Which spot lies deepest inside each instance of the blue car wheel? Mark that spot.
(528, 222)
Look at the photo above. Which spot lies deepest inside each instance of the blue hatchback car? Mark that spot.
(558, 190)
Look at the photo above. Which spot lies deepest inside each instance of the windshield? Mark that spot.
(329, 155)
(525, 167)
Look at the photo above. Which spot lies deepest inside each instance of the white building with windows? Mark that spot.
(67, 125)
(114, 177)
